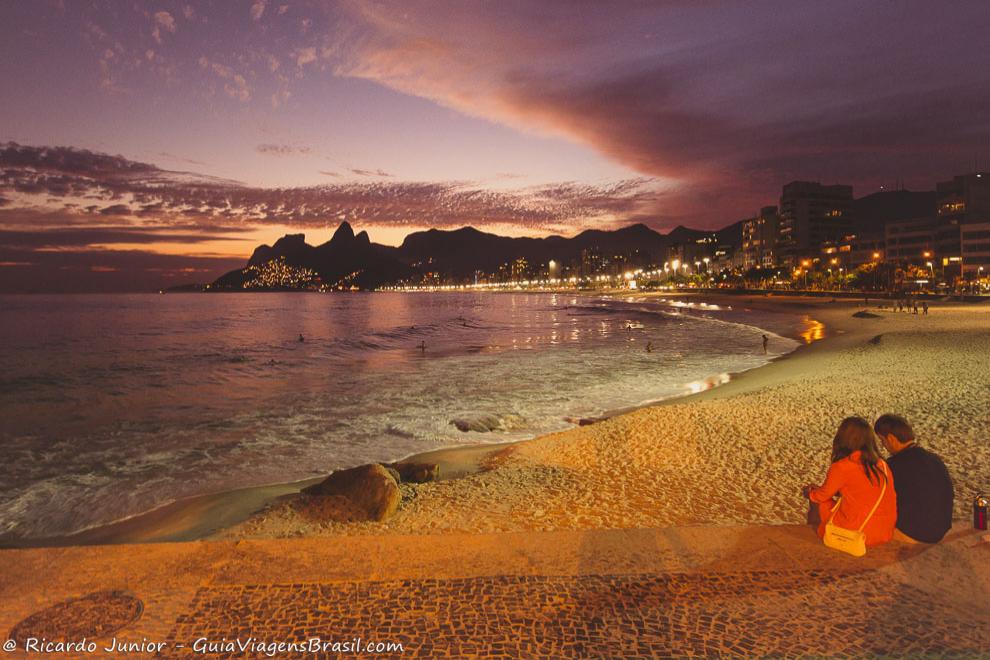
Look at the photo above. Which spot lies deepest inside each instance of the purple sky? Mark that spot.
(157, 142)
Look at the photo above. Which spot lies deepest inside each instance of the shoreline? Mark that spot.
(232, 514)
(737, 454)
(203, 516)
(199, 517)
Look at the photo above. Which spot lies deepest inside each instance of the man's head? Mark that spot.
(894, 431)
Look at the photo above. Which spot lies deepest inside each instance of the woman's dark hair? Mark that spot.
(856, 434)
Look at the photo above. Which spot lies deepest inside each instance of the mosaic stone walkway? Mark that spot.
(756, 613)
(693, 591)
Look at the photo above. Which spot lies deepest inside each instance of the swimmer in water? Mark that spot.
(649, 347)
(766, 340)
(301, 338)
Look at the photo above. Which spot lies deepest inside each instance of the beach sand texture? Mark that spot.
(738, 454)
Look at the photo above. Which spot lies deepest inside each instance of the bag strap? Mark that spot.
(835, 508)
(882, 490)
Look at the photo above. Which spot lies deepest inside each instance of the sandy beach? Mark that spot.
(736, 454)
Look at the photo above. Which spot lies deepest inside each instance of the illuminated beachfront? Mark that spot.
(515, 329)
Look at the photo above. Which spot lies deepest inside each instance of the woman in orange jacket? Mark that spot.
(858, 474)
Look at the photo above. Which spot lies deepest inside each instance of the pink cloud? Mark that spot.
(304, 56)
(722, 102)
(120, 187)
(234, 84)
(258, 9)
(163, 20)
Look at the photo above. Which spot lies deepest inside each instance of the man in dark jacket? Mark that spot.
(924, 489)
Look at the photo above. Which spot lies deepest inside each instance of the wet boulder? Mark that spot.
(371, 488)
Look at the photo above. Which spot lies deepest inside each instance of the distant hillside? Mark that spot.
(348, 260)
(872, 213)
(461, 252)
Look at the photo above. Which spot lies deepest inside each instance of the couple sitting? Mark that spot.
(907, 498)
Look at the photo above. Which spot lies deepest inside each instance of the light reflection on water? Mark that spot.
(111, 405)
(813, 330)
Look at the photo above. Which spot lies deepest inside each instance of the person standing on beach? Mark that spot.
(915, 307)
(766, 340)
(924, 307)
(924, 487)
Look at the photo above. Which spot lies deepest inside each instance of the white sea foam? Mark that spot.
(116, 404)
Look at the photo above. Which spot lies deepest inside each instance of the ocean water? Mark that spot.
(111, 405)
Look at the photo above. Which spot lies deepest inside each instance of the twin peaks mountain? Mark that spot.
(350, 260)
(345, 260)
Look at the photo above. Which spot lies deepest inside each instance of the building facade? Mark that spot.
(759, 242)
(812, 215)
(964, 206)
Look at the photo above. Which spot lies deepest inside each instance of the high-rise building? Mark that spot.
(759, 240)
(964, 214)
(520, 269)
(592, 262)
(873, 213)
(810, 215)
(913, 240)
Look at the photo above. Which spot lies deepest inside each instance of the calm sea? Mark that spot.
(111, 405)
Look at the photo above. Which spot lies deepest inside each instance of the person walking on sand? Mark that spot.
(924, 307)
(914, 307)
(862, 480)
(766, 340)
(924, 487)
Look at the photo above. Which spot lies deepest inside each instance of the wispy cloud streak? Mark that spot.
(80, 184)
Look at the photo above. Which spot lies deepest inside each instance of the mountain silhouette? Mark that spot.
(349, 260)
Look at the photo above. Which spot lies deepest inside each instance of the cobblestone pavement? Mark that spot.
(95, 615)
(736, 591)
(752, 613)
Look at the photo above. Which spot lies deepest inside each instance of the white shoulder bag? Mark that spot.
(851, 541)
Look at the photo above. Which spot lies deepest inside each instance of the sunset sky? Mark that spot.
(151, 143)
